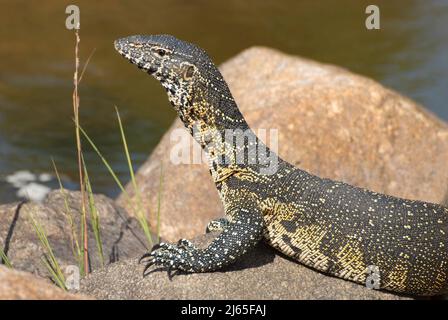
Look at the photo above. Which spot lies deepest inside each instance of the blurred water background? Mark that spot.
(408, 54)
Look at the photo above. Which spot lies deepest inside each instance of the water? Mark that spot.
(408, 54)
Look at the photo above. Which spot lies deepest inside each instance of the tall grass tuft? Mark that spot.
(137, 207)
(80, 247)
(75, 98)
(76, 249)
(49, 259)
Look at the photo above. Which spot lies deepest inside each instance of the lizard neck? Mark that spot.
(209, 112)
(232, 147)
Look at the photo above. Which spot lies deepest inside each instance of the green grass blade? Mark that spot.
(4, 259)
(142, 221)
(140, 213)
(126, 150)
(94, 216)
(105, 162)
(60, 282)
(159, 201)
(51, 263)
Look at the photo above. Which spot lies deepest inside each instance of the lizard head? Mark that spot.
(194, 85)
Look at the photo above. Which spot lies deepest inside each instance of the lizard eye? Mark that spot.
(161, 52)
(189, 72)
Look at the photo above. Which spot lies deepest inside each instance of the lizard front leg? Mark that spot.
(243, 232)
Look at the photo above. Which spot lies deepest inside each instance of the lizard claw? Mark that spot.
(146, 255)
(172, 256)
(157, 246)
(170, 273)
(148, 265)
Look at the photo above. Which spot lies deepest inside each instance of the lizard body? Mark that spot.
(331, 226)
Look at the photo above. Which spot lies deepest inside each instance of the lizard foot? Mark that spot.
(180, 256)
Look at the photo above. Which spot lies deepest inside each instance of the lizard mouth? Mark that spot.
(126, 49)
(120, 46)
(117, 45)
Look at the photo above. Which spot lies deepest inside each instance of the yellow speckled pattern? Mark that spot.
(344, 231)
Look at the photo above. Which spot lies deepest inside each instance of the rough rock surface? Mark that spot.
(16, 285)
(330, 122)
(261, 274)
(121, 235)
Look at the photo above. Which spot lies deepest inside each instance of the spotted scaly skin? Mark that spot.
(328, 225)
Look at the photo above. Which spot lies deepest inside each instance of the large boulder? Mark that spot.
(120, 234)
(330, 122)
(261, 274)
(21, 285)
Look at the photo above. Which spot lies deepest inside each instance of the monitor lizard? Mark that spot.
(336, 228)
